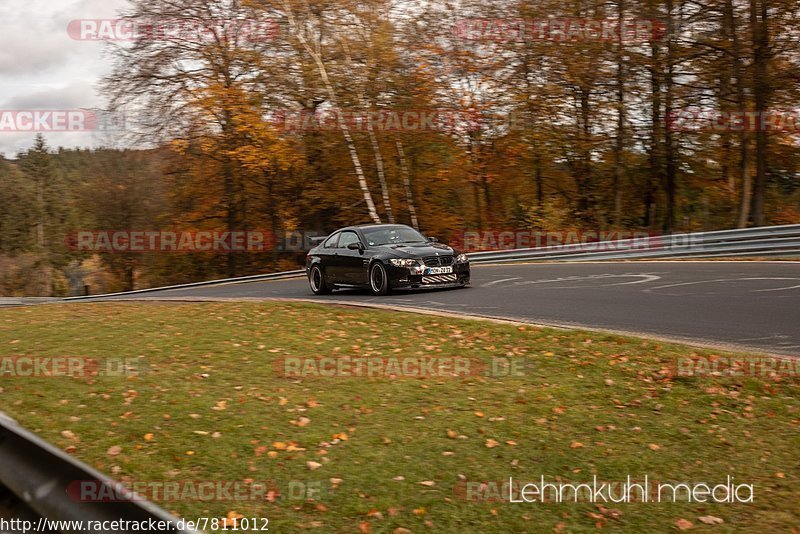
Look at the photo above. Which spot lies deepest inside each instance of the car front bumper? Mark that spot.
(401, 277)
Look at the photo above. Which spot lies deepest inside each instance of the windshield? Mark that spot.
(395, 235)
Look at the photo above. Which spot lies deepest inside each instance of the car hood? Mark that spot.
(419, 250)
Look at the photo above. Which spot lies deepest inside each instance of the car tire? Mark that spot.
(316, 279)
(378, 280)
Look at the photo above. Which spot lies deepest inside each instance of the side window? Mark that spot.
(347, 239)
(332, 241)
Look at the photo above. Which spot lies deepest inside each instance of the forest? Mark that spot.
(448, 116)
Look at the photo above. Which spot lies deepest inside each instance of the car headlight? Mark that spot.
(404, 263)
(462, 258)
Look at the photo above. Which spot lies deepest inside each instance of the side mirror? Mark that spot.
(355, 246)
(433, 240)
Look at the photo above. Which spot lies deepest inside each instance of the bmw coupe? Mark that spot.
(384, 257)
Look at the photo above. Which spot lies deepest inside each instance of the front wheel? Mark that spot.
(378, 280)
(317, 280)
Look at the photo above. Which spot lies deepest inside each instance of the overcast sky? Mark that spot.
(41, 67)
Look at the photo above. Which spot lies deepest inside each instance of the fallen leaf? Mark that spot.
(613, 513)
(313, 465)
(428, 483)
(491, 444)
(479, 414)
(114, 451)
(149, 436)
(654, 447)
(710, 520)
(576, 445)
(231, 520)
(452, 434)
(683, 524)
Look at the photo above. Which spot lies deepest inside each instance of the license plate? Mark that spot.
(439, 270)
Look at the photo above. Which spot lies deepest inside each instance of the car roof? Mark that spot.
(368, 226)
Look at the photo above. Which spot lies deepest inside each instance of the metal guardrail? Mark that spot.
(40, 475)
(772, 241)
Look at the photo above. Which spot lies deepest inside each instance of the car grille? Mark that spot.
(440, 279)
(438, 261)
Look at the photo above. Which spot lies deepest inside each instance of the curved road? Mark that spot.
(751, 306)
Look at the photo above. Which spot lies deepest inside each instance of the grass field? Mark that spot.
(384, 454)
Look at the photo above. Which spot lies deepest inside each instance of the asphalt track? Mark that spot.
(750, 306)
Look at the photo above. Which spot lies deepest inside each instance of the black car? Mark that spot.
(383, 257)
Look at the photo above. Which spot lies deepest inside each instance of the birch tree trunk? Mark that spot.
(412, 210)
(316, 55)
